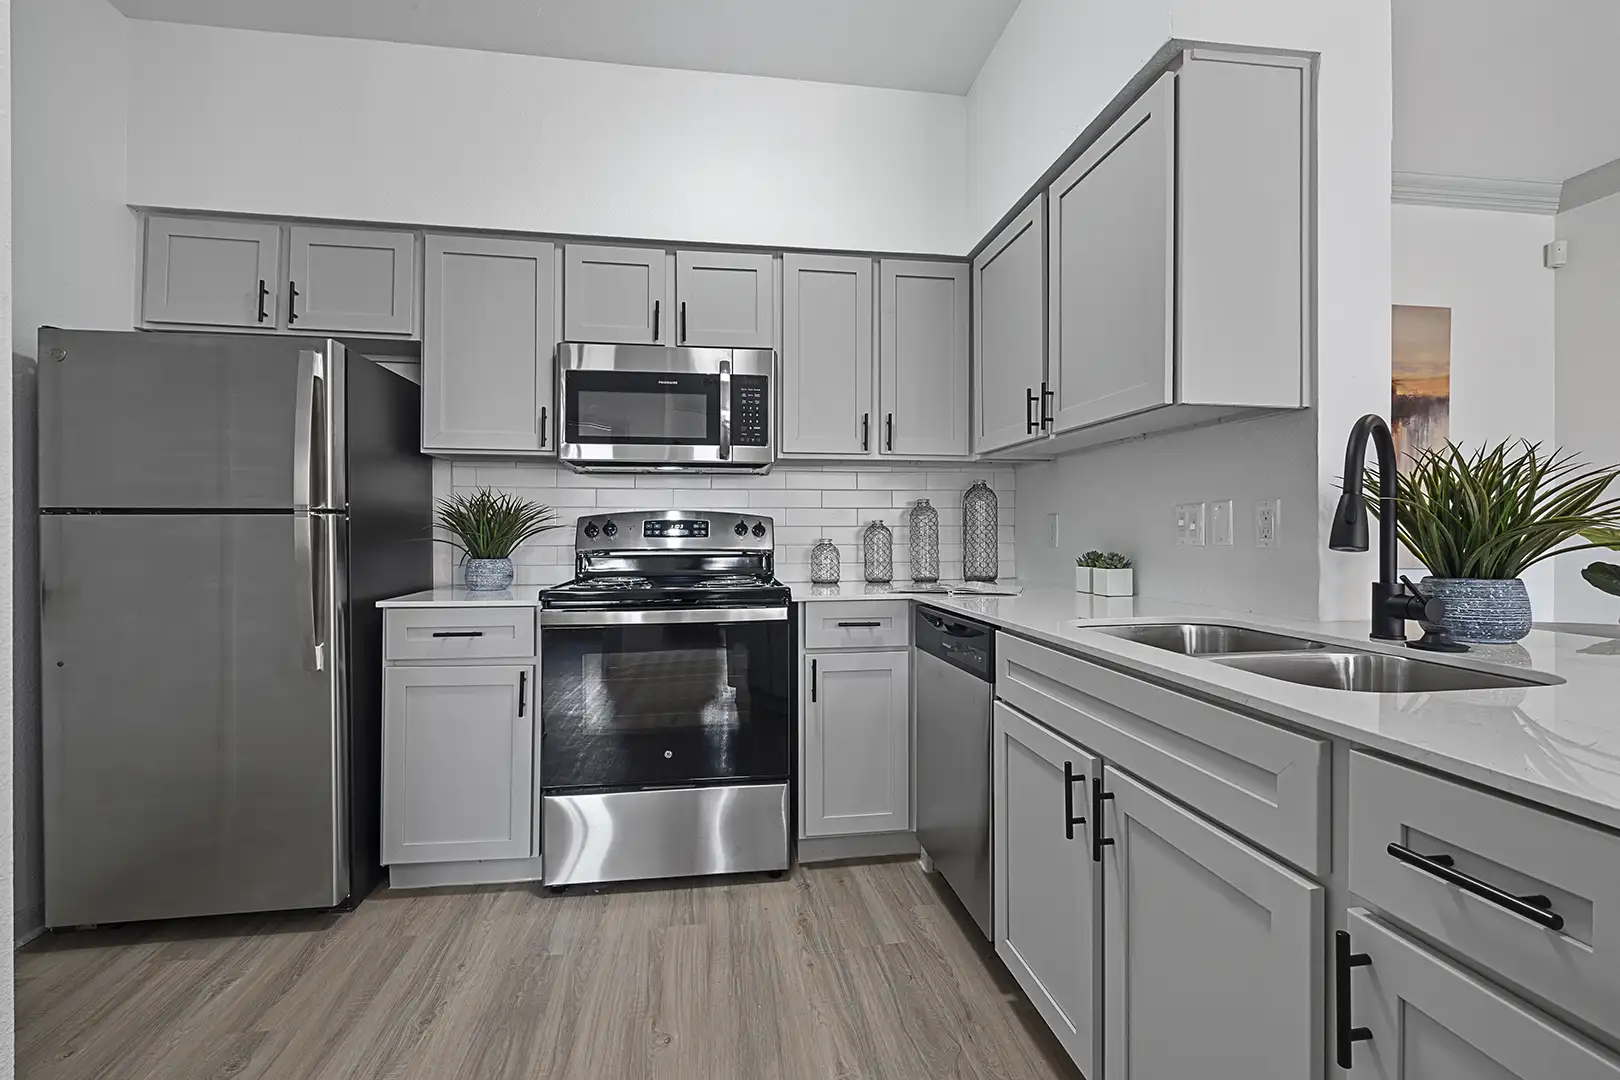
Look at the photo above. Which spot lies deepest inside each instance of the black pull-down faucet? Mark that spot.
(1393, 600)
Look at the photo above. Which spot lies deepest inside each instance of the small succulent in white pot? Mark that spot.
(488, 526)
(1083, 569)
(1113, 575)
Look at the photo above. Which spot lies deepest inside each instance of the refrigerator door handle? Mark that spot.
(311, 379)
(308, 569)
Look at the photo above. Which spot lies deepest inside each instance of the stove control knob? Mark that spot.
(591, 530)
(610, 529)
(741, 529)
(759, 528)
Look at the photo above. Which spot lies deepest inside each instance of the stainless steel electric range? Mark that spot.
(666, 675)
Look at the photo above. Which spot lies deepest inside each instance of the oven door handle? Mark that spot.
(725, 410)
(661, 616)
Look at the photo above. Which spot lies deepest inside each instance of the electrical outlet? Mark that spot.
(1052, 530)
(1190, 525)
(1268, 523)
(1220, 523)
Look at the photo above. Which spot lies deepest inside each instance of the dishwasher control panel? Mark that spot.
(960, 642)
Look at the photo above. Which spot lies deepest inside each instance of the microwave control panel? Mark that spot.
(750, 410)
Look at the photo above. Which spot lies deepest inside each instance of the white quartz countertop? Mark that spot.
(460, 596)
(1554, 745)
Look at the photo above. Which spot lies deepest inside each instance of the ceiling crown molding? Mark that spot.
(1476, 193)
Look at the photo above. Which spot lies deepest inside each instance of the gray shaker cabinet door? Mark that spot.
(458, 763)
(1212, 951)
(615, 295)
(359, 281)
(923, 358)
(211, 273)
(1048, 915)
(855, 753)
(827, 348)
(725, 299)
(1111, 276)
(1009, 332)
(1431, 1020)
(488, 345)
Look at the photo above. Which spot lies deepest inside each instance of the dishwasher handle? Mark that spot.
(952, 629)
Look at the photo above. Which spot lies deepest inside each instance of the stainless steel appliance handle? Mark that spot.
(308, 570)
(303, 433)
(725, 410)
(662, 616)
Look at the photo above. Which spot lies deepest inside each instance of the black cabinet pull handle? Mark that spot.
(889, 421)
(683, 322)
(656, 318)
(1069, 780)
(1030, 426)
(866, 432)
(812, 680)
(292, 302)
(1098, 840)
(458, 633)
(1343, 961)
(264, 291)
(544, 425)
(1046, 399)
(1535, 907)
(523, 690)
(861, 624)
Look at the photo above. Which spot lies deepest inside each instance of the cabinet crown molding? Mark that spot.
(1476, 193)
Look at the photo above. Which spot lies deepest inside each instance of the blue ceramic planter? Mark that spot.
(1481, 611)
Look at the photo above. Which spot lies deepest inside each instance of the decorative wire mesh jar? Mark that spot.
(924, 542)
(824, 562)
(877, 552)
(980, 533)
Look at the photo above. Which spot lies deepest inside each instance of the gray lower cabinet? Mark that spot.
(855, 743)
(211, 272)
(725, 299)
(1009, 332)
(923, 358)
(1428, 1019)
(1048, 890)
(827, 355)
(360, 281)
(1212, 951)
(615, 295)
(489, 345)
(458, 763)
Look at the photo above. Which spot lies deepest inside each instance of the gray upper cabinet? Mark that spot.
(725, 299)
(1112, 270)
(923, 358)
(202, 272)
(1009, 332)
(488, 345)
(615, 295)
(360, 281)
(827, 351)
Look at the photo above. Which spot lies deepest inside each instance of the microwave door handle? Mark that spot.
(725, 410)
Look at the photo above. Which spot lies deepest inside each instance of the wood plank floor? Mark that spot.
(841, 971)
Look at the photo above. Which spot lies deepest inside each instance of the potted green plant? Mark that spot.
(1604, 575)
(1479, 519)
(1113, 576)
(1083, 568)
(488, 526)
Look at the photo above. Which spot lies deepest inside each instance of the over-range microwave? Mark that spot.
(651, 408)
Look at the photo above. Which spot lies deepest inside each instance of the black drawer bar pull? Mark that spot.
(1098, 840)
(523, 690)
(812, 680)
(458, 633)
(1069, 780)
(1343, 961)
(861, 624)
(1536, 907)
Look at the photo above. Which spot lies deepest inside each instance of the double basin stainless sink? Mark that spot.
(1313, 663)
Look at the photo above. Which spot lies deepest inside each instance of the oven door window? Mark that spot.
(664, 704)
(637, 408)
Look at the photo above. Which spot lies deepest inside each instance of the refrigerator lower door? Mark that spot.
(194, 733)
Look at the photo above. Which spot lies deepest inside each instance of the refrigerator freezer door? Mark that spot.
(186, 421)
(194, 750)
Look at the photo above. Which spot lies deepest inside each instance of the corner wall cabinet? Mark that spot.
(1009, 333)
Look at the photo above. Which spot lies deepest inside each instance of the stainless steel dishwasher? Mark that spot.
(954, 668)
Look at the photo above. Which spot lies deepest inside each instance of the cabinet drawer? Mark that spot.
(857, 624)
(1257, 779)
(467, 633)
(1506, 848)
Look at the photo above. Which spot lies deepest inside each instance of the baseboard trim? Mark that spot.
(27, 924)
(482, 872)
(867, 846)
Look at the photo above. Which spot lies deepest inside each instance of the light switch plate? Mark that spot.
(1220, 523)
(1268, 523)
(1190, 519)
(1053, 524)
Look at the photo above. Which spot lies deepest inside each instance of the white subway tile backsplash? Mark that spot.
(673, 480)
(634, 499)
(784, 497)
(902, 481)
(769, 480)
(570, 478)
(878, 499)
(824, 479)
(820, 517)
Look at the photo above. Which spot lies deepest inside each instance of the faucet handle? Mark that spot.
(1432, 608)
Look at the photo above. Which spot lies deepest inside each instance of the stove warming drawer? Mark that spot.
(664, 832)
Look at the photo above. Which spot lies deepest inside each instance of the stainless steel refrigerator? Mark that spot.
(218, 516)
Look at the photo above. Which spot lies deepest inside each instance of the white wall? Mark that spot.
(1588, 375)
(332, 127)
(74, 255)
(8, 993)
(1485, 266)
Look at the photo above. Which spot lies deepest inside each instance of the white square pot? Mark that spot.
(1082, 579)
(1113, 582)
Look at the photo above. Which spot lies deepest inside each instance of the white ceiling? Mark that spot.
(1506, 89)
(934, 45)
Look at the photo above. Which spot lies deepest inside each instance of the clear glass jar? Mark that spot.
(924, 542)
(877, 552)
(981, 554)
(824, 562)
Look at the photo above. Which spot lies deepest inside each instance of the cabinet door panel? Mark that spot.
(614, 295)
(351, 280)
(209, 273)
(826, 395)
(1213, 950)
(488, 344)
(1431, 1020)
(924, 364)
(856, 756)
(458, 763)
(1112, 269)
(1009, 331)
(1048, 928)
(725, 300)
